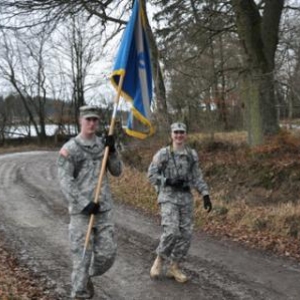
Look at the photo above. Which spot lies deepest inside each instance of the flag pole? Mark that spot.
(104, 162)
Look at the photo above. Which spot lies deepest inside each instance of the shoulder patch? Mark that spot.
(64, 152)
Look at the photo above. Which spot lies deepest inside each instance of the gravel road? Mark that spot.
(33, 217)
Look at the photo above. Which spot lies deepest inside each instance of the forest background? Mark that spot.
(228, 69)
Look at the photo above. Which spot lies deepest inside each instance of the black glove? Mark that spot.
(207, 204)
(179, 183)
(91, 208)
(110, 143)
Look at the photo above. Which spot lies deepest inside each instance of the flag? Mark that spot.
(133, 62)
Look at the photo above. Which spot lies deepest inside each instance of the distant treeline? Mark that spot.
(12, 107)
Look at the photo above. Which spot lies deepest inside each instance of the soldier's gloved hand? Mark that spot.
(206, 203)
(175, 182)
(110, 143)
(91, 208)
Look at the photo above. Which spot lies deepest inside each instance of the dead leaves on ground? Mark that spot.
(16, 282)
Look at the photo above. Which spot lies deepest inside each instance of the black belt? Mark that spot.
(181, 188)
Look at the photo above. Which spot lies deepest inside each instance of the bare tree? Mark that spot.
(288, 67)
(22, 64)
(53, 12)
(45, 12)
(79, 51)
(199, 52)
(256, 24)
(258, 28)
(3, 121)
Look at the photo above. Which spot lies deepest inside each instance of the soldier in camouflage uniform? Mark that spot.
(173, 171)
(79, 164)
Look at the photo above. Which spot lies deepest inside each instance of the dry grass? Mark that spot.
(275, 228)
(134, 189)
(234, 137)
(263, 211)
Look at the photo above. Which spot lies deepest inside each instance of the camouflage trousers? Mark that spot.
(99, 256)
(177, 226)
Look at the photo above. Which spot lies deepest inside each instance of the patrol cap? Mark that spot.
(178, 127)
(89, 112)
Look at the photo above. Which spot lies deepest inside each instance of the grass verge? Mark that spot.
(255, 192)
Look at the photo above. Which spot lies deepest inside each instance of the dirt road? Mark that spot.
(34, 218)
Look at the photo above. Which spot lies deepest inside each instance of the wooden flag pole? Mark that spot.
(104, 162)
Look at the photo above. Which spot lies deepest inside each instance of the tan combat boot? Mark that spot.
(176, 273)
(156, 268)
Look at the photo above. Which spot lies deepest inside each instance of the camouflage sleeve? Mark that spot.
(154, 174)
(197, 176)
(114, 164)
(67, 182)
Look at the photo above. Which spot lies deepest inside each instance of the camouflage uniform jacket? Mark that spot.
(167, 163)
(79, 165)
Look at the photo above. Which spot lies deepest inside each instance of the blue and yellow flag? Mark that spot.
(133, 62)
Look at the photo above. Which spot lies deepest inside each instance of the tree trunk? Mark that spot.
(259, 37)
(253, 119)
